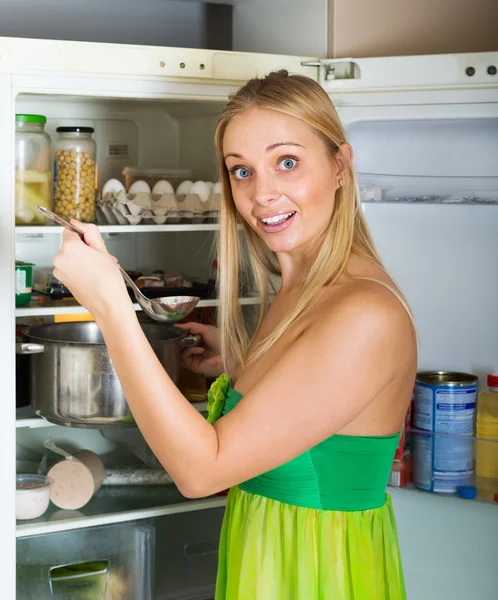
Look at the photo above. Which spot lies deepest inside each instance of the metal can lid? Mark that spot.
(468, 492)
(446, 378)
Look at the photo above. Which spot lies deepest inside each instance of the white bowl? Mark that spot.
(32, 496)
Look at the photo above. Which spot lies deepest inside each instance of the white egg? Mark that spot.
(210, 184)
(217, 188)
(200, 188)
(163, 187)
(138, 187)
(113, 186)
(184, 187)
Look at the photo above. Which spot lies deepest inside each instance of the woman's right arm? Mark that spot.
(204, 359)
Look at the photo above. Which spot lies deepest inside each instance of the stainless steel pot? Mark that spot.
(73, 381)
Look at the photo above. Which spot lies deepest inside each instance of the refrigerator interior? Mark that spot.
(149, 134)
(442, 255)
(441, 252)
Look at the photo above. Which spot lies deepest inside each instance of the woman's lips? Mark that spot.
(276, 223)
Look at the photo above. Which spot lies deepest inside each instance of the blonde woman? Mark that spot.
(304, 425)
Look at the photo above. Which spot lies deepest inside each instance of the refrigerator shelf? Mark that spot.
(427, 189)
(118, 505)
(26, 418)
(68, 306)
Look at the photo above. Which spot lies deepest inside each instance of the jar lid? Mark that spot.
(31, 119)
(468, 492)
(75, 130)
(492, 380)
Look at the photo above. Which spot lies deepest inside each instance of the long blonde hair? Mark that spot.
(347, 232)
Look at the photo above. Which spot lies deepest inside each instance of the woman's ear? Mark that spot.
(344, 158)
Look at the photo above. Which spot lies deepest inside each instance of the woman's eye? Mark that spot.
(287, 164)
(241, 173)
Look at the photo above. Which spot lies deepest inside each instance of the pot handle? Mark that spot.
(190, 340)
(29, 348)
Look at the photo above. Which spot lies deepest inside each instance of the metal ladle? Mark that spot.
(167, 309)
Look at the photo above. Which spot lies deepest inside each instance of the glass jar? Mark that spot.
(75, 174)
(33, 169)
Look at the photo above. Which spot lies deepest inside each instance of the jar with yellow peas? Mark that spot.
(75, 174)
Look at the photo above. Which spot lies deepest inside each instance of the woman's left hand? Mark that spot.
(90, 272)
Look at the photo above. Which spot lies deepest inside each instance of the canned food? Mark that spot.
(444, 406)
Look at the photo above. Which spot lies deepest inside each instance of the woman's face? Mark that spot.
(283, 178)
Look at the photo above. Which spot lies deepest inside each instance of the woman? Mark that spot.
(313, 404)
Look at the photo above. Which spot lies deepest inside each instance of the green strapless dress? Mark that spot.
(319, 527)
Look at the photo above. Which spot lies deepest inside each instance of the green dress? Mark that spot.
(319, 527)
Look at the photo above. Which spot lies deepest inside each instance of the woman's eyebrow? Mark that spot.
(267, 149)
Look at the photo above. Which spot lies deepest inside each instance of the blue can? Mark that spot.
(444, 410)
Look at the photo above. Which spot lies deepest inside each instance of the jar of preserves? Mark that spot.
(75, 174)
(33, 169)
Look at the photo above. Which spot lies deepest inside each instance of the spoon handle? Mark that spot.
(60, 221)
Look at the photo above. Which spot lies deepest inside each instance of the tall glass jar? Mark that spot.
(33, 169)
(75, 174)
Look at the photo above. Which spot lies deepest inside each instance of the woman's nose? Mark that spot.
(266, 191)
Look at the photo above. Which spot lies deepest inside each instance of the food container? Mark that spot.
(24, 282)
(75, 174)
(32, 496)
(444, 408)
(33, 169)
(152, 176)
(73, 381)
(111, 562)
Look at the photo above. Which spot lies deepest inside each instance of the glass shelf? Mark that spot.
(427, 190)
(118, 504)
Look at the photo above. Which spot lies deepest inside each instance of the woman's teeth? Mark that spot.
(277, 219)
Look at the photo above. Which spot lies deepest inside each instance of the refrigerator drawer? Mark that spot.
(187, 555)
(111, 562)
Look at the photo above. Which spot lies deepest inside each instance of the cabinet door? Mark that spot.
(402, 27)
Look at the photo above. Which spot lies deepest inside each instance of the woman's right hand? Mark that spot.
(204, 359)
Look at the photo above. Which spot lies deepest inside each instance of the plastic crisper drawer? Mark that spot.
(187, 555)
(111, 562)
(421, 189)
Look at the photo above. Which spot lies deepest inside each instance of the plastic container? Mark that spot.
(75, 174)
(32, 496)
(487, 429)
(24, 282)
(111, 562)
(33, 169)
(152, 176)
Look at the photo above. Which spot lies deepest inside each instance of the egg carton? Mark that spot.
(131, 209)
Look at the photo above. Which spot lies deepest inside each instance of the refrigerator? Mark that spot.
(424, 130)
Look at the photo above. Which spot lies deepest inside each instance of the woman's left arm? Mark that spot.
(320, 384)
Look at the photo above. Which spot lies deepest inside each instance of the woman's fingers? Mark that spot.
(92, 235)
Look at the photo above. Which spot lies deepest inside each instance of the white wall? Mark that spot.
(149, 22)
(281, 27)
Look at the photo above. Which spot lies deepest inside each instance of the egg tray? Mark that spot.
(133, 209)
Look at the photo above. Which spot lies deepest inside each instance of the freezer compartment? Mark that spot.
(110, 562)
(187, 555)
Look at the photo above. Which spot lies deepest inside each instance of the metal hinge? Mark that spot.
(336, 68)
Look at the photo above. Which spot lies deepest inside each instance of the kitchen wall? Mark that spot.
(362, 28)
(149, 22)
